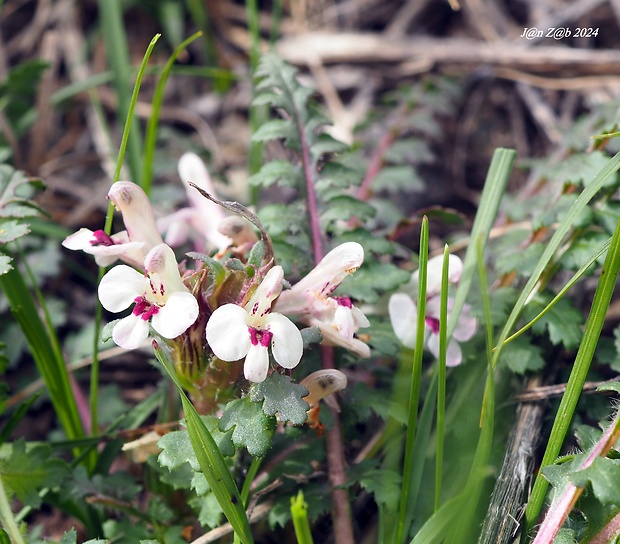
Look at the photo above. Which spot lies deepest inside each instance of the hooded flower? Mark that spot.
(235, 332)
(404, 312)
(160, 298)
(130, 245)
(336, 316)
(202, 216)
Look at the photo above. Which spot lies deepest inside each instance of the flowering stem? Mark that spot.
(313, 211)
(343, 525)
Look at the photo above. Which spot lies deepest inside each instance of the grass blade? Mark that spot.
(210, 459)
(492, 193)
(152, 124)
(117, 50)
(402, 526)
(594, 326)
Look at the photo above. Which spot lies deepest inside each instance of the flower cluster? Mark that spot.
(404, 312)
(242, 316)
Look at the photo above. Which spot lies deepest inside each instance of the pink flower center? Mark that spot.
(144, 308)
(258, 336)
(100, 238)
(343, 301)
(433, 324)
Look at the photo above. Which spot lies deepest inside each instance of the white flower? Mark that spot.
(130, 245)
(160, 298)
(404, 312)
(235, 332)
(337, 317)
(203, 216)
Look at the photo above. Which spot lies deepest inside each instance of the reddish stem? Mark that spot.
(376, 163)
(313, 210)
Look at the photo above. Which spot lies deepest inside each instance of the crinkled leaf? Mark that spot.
(604, 475)
(177, 447)
(26, 471)
(12, 230)
(520, 356)
(344, 207)
(282, 397)
(384, 484)
(274, 129)
(106, 332)
(373, 279)
(398, 177)
(252, 428)
(278, 171)
(522, 262)
(311, 335)
(581, 250)
(562, 322)
(209, 511)
(581, 168)
(5, 264)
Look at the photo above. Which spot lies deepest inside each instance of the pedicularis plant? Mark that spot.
(261, 317)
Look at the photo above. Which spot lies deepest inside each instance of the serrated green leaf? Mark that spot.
(177, 447)
(209, 511)
(398, 177)
(284, 173)
(384, 484)
(27, 471)
(520, 356)
(12, 230)
(70, 537)
(5, 264)
(372, 279)
(582, 249)
(272, 130)
(522, 262)
(604, 475)
(282, 397)
(563, 321)
(344, 207)
(252, 428)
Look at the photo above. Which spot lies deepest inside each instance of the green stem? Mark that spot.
(6, 514)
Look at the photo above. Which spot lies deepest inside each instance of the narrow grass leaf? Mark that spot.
(492, 193)
(577, 276)
(153, 122)
(210, 459)
(51, 368)
(441, 376)
(117, 49)
(402, 526)
(564, 416)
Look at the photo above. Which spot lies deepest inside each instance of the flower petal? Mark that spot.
(256, 364)
(179, 313)
(120, 287)
(403, 316)
(287, 344)
(434, 269)
(331, 337)
(130, 332)
(227, 332)
(454, 357)
(466, 325)
(138, 215)
(260, 303)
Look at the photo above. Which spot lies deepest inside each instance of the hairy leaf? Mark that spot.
(252, 428)
(282, 397)
(26, 471)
